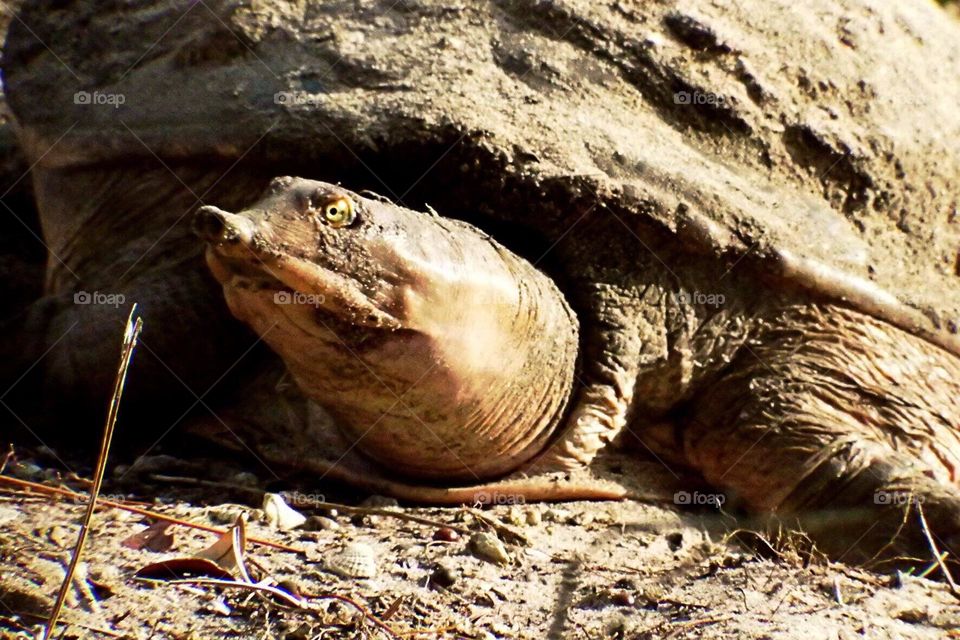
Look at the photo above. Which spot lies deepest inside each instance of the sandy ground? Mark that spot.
(587, 570)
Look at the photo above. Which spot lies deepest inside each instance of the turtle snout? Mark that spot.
(217, 226)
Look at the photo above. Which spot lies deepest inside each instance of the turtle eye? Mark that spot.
(339, 212)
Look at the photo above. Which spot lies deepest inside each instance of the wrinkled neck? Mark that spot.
(480, 376)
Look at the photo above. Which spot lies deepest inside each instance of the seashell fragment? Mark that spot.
(355, 560)
(279, 514)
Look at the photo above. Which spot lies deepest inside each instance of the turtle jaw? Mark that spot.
(242, 258)
(295, 290)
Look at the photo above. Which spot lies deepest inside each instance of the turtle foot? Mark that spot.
(833, 422)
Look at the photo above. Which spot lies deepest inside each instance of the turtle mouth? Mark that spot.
(239, 273)
(296, 284)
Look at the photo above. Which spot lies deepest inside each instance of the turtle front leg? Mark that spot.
(842, 423)
(621, 337)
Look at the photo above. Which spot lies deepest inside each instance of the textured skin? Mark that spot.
(831, 409)
(796, 131)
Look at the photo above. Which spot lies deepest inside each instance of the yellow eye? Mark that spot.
(339, 212)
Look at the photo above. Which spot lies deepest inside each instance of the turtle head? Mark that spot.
(438, 352)
(311, 244)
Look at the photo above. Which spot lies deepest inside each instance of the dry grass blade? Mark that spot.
(130, 335)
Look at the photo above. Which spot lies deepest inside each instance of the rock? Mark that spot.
(488, 546)
(446, 534)
(444, 575)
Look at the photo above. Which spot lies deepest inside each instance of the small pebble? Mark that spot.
(446, 534)
(27, 471)
(899, 579)
(290, 586)
(652, 594)
(556, 515)
(443, 576)
(279, 514)
(363, 520)
(578, 519)
(533, 517)
(487, 546)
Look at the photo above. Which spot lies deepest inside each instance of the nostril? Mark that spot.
(220, 227)
(210, 224)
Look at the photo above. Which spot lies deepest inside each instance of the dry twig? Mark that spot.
(936, 552)
(46, 490)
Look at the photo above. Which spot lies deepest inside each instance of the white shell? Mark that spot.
(487, 546)
(355, 560)
(279, 514)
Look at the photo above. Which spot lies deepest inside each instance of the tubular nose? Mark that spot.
(216, 225)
